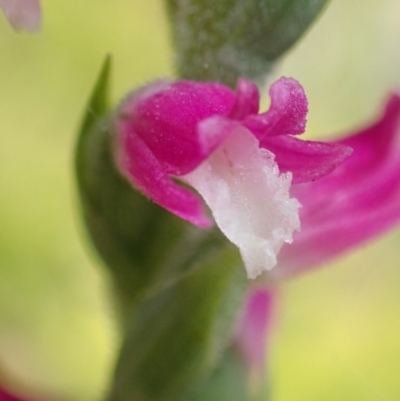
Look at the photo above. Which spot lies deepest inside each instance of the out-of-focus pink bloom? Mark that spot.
(253, 330)
(23, 14)
(5, 395)
(357, 202)
(241, 162)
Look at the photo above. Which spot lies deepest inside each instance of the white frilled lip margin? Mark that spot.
(249, 199)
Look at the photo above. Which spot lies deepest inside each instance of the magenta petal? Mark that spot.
(166, 115)
(247, 100)
(287, 112)
(358, 201)
(378, 142)
(212, 132)
(306, 160)
(146, 173)
(166, 130)
(254, 327)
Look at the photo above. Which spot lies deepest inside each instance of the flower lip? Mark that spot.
(249, 199)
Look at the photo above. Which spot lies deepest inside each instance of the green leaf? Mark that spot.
(223, 40)
(98, 104)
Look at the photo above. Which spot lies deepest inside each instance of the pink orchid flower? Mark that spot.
(22, 14)
(243, 163)
(357, 202)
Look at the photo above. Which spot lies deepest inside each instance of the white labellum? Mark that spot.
(249, 199)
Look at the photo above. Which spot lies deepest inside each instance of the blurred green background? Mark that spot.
(337, 332)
